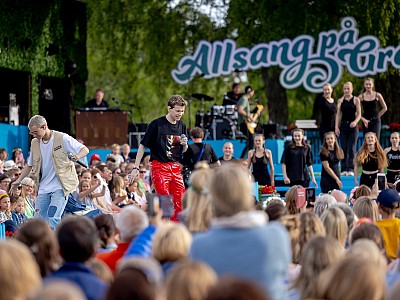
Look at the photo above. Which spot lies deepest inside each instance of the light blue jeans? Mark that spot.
(50, 207)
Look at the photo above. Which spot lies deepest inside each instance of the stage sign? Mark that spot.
(302, 62)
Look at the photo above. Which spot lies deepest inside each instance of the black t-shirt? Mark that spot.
(92, 103)
(191, 156)
(333, 162)
(164, 140)
(222, 161)
(297, 159)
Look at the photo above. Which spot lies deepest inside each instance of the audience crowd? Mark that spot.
(111, 245)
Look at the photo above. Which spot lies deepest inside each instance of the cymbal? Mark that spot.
(202, 97)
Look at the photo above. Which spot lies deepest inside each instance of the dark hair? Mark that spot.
(233, 288)
(235, 85)
(276, 210)
(248, 89)
(176, 100)
(77, 238)
(368, 231)
(197, 133)
(105, 228)
(37, 235)
(123, 289)
(3, 176)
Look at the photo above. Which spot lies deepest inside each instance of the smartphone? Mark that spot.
(310, 197)
(155, 202)
(300, 197)
(381, 181)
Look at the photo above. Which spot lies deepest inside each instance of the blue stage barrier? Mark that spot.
(14, 136)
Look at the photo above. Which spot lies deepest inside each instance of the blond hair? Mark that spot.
(190, 280)
(171, 242)
(231, 191)
(319, 253)
(335, 224)
(292, 224)
(340, 281)
(20, 277)
(366, 207)
(198, 202)
(310, 226)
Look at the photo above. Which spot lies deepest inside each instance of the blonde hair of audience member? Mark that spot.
(319, 253)
(201, 165)
(198, 203)
(235, 288)
(290, 199)
(323, 202)
(335, 224)
(60, 289)
(352, 278)
(119, 193)
(171, 243)
(190, 281)
(366, 207)
(41, 240)
(101, 270)
(292, 224)
(369, 250)
(310, 226)
(362, 190)
(20, 277)
(231, 191)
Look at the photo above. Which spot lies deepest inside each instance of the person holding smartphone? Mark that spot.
(330, 156)
(167, 141)
(371, 158)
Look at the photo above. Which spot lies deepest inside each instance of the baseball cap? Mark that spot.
(388, 198)
(95, 157)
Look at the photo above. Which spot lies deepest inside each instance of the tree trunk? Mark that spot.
(276, 96)
(389, 87)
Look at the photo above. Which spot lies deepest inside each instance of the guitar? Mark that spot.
(252, 125)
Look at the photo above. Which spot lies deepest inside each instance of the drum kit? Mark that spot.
(220, 122)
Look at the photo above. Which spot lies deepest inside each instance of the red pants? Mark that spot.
(167, 180)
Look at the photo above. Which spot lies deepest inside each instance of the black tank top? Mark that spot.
(371, 163)
(328, 113)
(370, 109)
(348, 110)
(393, 157)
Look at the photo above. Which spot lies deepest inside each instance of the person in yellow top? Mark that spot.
(388, 203)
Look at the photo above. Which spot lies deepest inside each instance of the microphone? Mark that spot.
(77, 161)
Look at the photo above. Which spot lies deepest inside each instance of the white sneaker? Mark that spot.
(344, 173)
(351, 173)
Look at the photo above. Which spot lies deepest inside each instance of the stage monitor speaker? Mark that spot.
(221, 129)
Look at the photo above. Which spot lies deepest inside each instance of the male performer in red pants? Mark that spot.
(167, 141)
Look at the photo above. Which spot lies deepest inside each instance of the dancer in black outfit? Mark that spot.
(330, 156)
(371, 158)
(393, 158)
(327, 107)
(297, 161)
(349, 109)
(259, 159)
(371, 118)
